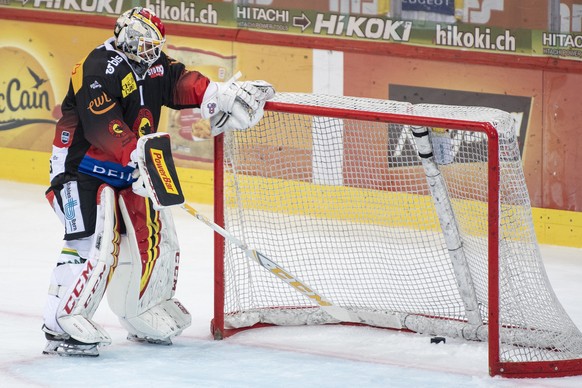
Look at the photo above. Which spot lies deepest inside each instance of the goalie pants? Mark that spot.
(114, 241)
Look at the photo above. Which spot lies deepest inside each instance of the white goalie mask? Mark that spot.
(140, 34)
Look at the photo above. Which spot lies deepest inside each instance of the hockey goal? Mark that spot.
(409, 217)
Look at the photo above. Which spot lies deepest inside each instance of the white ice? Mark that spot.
(330, 356)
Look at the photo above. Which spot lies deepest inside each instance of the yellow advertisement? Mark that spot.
(33, 81)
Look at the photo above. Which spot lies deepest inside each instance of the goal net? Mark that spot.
(412, 217)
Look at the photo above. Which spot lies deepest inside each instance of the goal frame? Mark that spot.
(528, 369)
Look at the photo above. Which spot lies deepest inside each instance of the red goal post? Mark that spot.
(417, 214)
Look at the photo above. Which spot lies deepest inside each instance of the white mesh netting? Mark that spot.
(344, 205)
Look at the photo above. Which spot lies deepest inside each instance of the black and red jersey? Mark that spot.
(108, 106)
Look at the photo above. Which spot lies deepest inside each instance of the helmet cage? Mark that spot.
(148, 49)
(140, 35)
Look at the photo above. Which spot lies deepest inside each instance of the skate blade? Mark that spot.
(57, 348)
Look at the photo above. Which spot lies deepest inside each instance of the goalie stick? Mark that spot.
(337, 312)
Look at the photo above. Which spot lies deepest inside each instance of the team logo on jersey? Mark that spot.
(116, 128)
(128, 85)
(156, 71)
(112, 64)
(102, 104)
(95, 85)
(144, 123)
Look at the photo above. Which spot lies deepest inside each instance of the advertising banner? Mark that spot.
(501, 26)
(33, 81)
(518, 106)
(445, 7)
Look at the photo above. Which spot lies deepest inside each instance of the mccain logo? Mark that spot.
(26, 96)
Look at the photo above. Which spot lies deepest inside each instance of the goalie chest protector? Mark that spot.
(159, 163)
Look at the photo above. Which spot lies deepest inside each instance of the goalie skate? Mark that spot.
(135, 338)
(63, 345)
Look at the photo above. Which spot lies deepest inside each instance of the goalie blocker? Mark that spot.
(156, 173)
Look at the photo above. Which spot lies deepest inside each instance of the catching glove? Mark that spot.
(235, 105)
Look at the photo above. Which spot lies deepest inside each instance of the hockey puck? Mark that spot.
(438, 340)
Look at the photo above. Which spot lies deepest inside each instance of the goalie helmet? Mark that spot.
(140, 34)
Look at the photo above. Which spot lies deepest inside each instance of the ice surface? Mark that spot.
(330, 356)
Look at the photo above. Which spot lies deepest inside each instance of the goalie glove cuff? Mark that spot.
(219, 97)
(209, 106)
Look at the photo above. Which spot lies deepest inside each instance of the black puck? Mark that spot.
(438, 340)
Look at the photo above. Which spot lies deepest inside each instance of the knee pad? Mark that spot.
(142, 290)
(80, 279)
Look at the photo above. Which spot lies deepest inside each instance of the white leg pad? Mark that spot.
(141, 292)
(80, 297)
(162, 321)
(84, 330)
(63, 275)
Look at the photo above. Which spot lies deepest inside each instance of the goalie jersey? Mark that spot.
(108, 107)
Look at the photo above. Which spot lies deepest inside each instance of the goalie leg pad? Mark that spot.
(142, 291)
(64, 275)
(157, 172)
(78, 284)
(158, 324)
